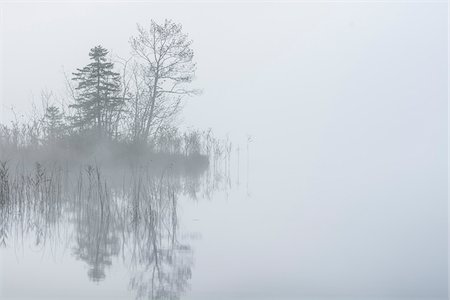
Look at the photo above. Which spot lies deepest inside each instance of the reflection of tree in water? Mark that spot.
(161, 264)
(109, 215)
(96, 236)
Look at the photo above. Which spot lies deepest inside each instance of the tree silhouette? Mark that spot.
(163, 70)
(98, 102)
(53, 120)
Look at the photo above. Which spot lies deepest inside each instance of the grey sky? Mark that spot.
(250, 56)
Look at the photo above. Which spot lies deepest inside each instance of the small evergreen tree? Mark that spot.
(53, 120)
(98, 102)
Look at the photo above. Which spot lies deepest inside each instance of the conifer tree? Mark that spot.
(53, 120)
(98, 103)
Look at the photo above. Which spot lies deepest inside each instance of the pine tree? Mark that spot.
(53, 120)
(98, 103)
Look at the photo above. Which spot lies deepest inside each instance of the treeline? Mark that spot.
(131, 101)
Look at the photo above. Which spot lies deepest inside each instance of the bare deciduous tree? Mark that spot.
(161, 75)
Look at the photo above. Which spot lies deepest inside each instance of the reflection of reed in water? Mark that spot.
(104, 215)
(30, 202)
(4, 200)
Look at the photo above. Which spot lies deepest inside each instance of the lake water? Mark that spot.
(225, 231)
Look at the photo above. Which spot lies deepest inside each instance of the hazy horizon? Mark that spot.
(346, 104)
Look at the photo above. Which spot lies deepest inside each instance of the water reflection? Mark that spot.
(107, 215)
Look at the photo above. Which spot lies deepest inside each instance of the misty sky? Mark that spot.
(272, 61)
(347, 100)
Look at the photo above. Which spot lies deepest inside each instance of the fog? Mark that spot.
(339, 112)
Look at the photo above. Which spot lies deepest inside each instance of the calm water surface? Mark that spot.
(218, 231)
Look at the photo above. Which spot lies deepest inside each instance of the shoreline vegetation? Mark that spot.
(119, 110)
(100, 172)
